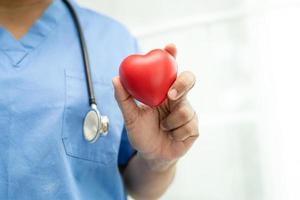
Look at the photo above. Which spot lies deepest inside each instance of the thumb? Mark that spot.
(125, 101)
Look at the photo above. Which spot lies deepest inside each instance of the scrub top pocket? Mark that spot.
(105, 149)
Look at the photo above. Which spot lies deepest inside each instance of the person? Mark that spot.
(43, 100)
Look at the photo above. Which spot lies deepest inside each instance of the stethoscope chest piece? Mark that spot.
(94, 125)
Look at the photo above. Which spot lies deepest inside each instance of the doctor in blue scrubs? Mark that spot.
(43, 101)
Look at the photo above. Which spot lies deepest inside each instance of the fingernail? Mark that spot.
(173, 93)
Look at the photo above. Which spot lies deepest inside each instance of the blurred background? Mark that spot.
(246, 56)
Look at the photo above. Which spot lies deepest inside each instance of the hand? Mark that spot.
(163, 134)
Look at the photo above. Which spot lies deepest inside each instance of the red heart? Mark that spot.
(148, 77)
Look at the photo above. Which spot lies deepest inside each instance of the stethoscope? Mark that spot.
(94, 124)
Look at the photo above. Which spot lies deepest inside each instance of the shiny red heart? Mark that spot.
(148, 77)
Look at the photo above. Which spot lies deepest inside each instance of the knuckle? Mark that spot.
(190, 130)
(196, 119)
(184, 113)
(195, 137)
(179, 136)
(196, 128)
(197, 133)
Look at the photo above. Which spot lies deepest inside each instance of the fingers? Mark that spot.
(125, 101)
(184, 82)
(188, 130)
(181, 115)
(171, 49)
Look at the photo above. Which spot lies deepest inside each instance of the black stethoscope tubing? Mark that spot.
(94, 124)
(85, 54)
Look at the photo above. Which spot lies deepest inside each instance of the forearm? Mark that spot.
(148, 180)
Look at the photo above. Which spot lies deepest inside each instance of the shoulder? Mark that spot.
(104, 24)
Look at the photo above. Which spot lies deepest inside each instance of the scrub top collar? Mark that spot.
(17, 50)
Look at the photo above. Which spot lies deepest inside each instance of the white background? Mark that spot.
(246, 56)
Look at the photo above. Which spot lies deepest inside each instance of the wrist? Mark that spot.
(157, 165)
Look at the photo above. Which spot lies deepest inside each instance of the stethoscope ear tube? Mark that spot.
(84, 52)
(94, 124)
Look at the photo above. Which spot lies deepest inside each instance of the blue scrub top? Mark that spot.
(43, 100)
